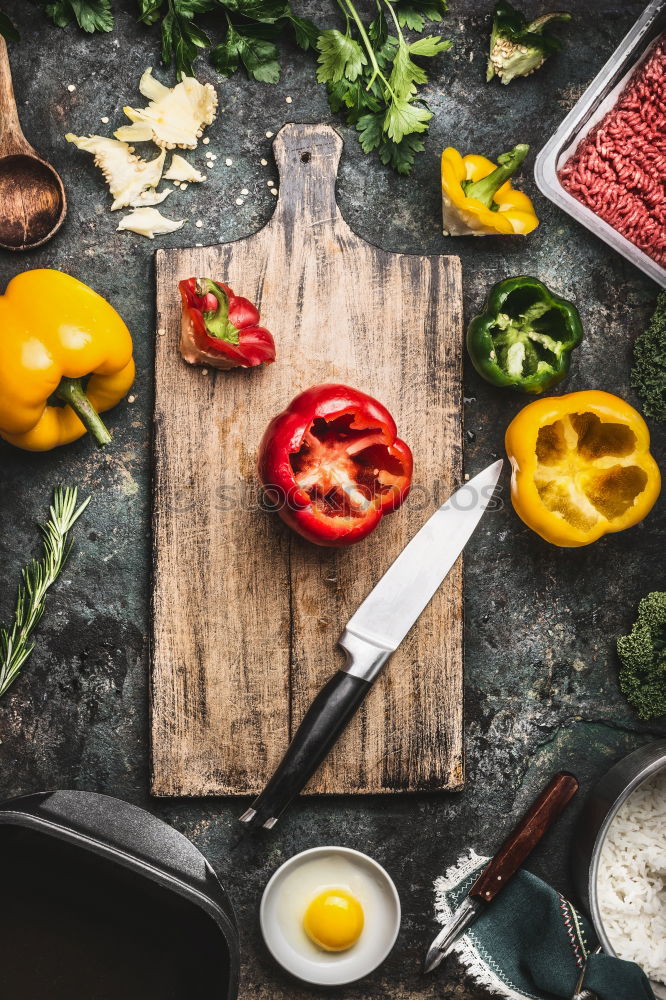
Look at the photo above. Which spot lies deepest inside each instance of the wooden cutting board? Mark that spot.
(246, 615)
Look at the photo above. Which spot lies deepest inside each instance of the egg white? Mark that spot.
(305, 882)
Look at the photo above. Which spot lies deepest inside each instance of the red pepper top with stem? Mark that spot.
(220, 329)
(332, 464)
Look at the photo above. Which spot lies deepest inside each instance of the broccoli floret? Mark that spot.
(648, 373)
(643, 656)
(517, 46)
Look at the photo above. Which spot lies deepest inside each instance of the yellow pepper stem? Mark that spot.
(71, 391)
(485, 189)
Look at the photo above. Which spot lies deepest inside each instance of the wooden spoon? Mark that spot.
(32, 195)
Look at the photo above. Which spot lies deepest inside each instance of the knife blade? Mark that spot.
(372, 634)
(462, 917)
(516, 848)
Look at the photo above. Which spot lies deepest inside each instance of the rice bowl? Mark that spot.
(631, 880)
(605, 802)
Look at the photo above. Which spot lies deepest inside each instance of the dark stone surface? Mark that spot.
(541, 690)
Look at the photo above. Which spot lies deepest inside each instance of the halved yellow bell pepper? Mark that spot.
(54, 331)
(582, 467)
(478, 198)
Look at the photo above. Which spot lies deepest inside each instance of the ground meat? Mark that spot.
(619, 168)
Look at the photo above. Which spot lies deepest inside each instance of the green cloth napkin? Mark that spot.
(531, 943)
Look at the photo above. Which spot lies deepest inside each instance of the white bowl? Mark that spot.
(342, 967)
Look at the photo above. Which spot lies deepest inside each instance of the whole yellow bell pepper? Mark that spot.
(582, 467)
(54, 331)
(478, 198)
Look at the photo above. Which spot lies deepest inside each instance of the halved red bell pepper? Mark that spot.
(221, 329)
(333, 465)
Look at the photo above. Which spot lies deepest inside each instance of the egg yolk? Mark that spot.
(334, 920)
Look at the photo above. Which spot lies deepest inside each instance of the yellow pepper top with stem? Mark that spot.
(54, 331)
(582, 467)
(478, 198)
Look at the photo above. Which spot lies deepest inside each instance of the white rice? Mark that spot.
(632, 879)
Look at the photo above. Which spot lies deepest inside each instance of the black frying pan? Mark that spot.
(101, 900)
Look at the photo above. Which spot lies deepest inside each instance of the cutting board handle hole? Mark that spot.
(306, 157)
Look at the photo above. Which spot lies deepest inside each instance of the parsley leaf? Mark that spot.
(403, 118)
(371, 129)
(431, 46)
(251, 30)
(182, 39)
(90, 15)
(339, 56)
(266, 11)
(414, 13)
(150, 10)
(246, 46)
(380, 89)
(306, 32)
(401, 155)
(406, 74)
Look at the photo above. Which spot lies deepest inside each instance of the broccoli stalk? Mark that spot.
(643, 657)
(648, 372)
(518, 47)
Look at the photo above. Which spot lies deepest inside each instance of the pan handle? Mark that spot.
(108, 825)
(135, 838)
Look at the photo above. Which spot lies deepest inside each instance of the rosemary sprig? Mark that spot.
(37, 577)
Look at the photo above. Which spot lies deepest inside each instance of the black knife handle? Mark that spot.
(322, 724)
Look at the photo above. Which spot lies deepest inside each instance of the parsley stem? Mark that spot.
(395, 21)
(369, 49)
(346, 15)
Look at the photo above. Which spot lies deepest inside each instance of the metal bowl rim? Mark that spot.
(645, 772)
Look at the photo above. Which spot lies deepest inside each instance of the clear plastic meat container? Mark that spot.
(597, 100)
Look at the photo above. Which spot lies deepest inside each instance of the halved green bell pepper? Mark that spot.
(524, 337)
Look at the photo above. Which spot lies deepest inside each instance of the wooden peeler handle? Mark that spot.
(524, 837)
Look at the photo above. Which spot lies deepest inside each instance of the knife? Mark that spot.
(374, 632)
(517, 846)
